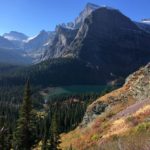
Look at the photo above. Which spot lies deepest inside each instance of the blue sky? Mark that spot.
(31, 16)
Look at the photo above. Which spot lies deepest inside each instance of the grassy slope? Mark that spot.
(116, 123)
(120, 126)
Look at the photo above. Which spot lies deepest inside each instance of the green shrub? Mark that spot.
(95, 137)
(143, 127)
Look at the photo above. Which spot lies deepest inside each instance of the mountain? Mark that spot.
(107, 40)
(33, 47)
(110, 42)
(34, 43)
(65, 34)
(30, 47)
(63, 38)
(96, 29)
(15, 36)
(37, 45)
(11, 53)
(119, 118)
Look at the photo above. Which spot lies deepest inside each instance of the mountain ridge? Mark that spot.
(49, 45)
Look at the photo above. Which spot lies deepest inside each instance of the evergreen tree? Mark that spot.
(46, 136)
(54, 138)
(2, 131)
(24, 136)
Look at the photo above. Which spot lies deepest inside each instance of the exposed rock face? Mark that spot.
(63, 38)
(140, 83)
(84, 14)
(136, 88)
(98, 109)
(65, 34)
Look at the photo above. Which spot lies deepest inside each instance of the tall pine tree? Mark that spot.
(25, 134)
(54, 137)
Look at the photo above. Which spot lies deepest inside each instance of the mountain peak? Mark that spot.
(14, 35)
(89, 8)
(91, 5)
(94, 6)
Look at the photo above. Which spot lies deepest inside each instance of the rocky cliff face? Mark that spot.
(63, 38)
(89, 8)
(136, 88)
(139, 83)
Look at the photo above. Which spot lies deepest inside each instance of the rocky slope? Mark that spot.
(137, 88)
(116, 117)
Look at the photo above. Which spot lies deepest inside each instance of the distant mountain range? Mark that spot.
(102, 45)
(101, 36)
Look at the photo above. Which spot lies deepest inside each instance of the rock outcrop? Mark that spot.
(136, 88)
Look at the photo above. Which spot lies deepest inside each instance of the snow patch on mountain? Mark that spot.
(147, 21)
